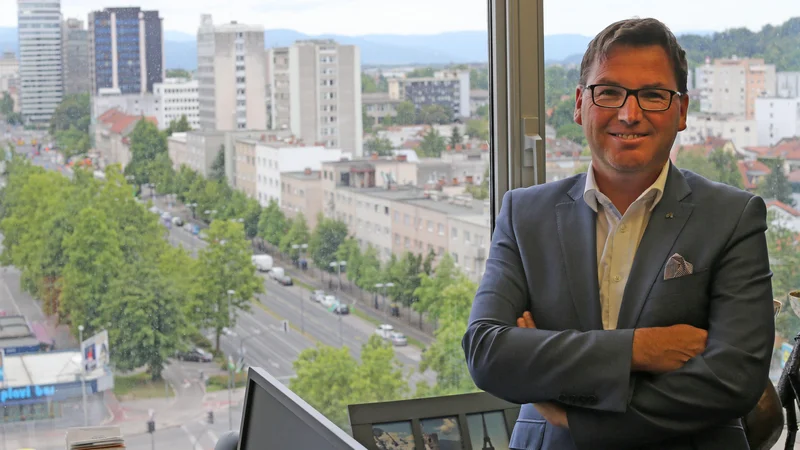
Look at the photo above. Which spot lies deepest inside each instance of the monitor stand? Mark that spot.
(228, 441)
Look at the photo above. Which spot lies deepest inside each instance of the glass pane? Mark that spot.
(442, 433)
(394, 435)
(488, 430)
(190, 191)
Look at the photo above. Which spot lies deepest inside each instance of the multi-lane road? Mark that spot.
(275, 349)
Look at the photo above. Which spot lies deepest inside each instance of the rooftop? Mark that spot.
(303, 176)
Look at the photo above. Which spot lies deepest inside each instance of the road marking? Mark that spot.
(274, 364)
(192, 439)
(8, 291)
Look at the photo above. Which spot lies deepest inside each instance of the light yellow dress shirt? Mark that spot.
(618, 237)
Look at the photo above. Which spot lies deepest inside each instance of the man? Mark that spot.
(643, 290)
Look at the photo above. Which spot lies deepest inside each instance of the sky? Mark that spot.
(359, 17)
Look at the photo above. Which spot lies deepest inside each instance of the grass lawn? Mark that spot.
(138, 386)
(220, 382)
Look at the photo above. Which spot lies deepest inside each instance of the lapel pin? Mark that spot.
(670, 215)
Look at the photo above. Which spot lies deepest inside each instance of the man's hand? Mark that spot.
(664, 349)
(552, 413)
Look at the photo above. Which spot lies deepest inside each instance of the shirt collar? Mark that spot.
(591, 191)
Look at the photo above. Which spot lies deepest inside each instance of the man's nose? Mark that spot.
(630, 112)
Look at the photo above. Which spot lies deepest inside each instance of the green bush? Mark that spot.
(220, 382)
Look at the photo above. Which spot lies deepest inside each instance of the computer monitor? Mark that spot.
(275, 418)
(477, 421)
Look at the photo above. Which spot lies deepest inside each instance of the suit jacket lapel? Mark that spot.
(578, 237)
(666, 222)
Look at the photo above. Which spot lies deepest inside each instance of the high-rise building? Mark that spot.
(231, 75)
(75, 55)
(177, 97)
(731, 86)
(325, 94)
(40, 70)
(126, 50)
(447, 88)
(278, 88)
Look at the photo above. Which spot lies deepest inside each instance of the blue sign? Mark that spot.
(26, 392)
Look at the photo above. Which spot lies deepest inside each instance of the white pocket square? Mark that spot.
(677, 267)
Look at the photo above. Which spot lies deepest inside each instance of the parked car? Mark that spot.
(328, 301)
(195, 354)
(317, 296)
(177, 221)
(384, 330)
(398, 339)
(341, 309)
(285, 280)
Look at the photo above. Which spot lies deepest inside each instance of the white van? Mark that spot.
(277, 272)
(263, 263)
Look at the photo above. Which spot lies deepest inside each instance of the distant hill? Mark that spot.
(378, 49)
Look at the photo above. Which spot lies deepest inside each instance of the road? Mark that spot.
(310, 321)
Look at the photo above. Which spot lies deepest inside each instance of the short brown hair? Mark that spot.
(637, 33)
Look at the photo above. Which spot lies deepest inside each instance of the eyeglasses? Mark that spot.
(649, 99)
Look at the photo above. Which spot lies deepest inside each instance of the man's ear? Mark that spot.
(684, 102)
(576, 115)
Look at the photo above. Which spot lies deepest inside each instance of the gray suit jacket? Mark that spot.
(543, 259)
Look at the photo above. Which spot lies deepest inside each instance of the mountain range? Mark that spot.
(376, 49)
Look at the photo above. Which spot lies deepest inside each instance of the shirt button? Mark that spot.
(623, 228)
(617, 278)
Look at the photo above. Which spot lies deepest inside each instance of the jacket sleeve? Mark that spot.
(532, 365)
(727, 379)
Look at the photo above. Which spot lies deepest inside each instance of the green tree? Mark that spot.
(6, 104)
(224, 265)
(406, 113)
(422, 72)
(427, 265)
(444, 355)
(72, 142)
(272, 225)
(178, 126)
(178, 73)
(252, 216)
(324, 378)
(368, 84)
(478, 128)
(776, 185)
(369, 271)
(432, 145)
(381, 146)
(480, 191)
(297, 234)
(350, 252)
(379, 377)
(325, 241)
(431, 287)
(146, 145)
(73, 111)
(405, 274)
(218, 166)
(367, 121)
(573, 132)
(785, 264)
(563, 114)
(456, 138)
(434, 115)
(479, 79)
(482, 112)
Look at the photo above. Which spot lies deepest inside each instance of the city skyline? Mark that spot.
(360, 17)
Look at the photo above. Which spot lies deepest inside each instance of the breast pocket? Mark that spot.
(678, 300)
(527, 435)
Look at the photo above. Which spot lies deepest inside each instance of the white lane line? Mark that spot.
(192, 439)
(8, 291)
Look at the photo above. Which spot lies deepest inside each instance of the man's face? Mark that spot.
(628, 139)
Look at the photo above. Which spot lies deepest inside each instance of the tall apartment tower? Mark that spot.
(126, 50)
(231, 74)
(325, 94)
(75, 54)
(731, 86)
(278, 86)
(40, 70)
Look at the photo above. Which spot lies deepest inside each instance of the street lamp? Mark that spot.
(83, 376)
(300, 249)
(192, 206)
(385, 286)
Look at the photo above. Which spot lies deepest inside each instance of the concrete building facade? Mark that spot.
(41, 75)
(231, 71)
(75, 42)
(301, 192)
(177, 97)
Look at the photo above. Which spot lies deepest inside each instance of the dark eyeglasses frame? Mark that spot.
(635, 94)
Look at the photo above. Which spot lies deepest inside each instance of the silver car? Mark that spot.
(398, 339)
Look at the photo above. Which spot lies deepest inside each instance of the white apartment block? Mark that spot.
(276, 157)
(447, 88)
(231, 71)
(9, 72)
(324, 95)
(40, 64)
(177, 98)
(788, 84)
(700, 127)
(777, 118)
(731, 86)
(177, 150)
